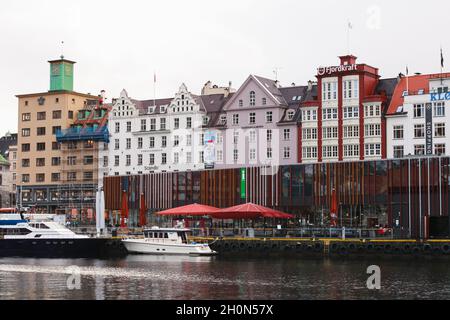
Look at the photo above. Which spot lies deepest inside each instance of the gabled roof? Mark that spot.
(214, 106)
(289, 93)
(143, 105)
(415, 83)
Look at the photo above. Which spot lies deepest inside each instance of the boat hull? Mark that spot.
(62, 248)
(144, 247)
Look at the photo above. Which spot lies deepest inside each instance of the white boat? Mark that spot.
(163, 241)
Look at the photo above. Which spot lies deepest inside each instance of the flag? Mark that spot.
(407, 70)
(442, 59)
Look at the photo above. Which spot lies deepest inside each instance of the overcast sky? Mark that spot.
(119, 44)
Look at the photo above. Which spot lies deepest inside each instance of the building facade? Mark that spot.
(258, 125)
(7, 197)
(417, 119)
(344, 120)
(41, 117)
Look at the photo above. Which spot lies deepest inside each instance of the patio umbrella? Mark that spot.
(250, 211)
(190, 210)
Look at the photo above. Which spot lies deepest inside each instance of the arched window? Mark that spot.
(252, 98)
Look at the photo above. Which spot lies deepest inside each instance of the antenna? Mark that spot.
(276, 72)
(62, 49)
(349, 27)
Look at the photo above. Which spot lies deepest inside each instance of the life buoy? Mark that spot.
(343, 249)
(352, 247)
(370, 247)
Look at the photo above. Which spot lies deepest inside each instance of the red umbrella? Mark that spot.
(142, 211)
(124, 210)
(190, 210)
(250, 211)
(333, 208)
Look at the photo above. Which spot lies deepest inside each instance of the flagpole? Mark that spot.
(407, 80)
(154, 89)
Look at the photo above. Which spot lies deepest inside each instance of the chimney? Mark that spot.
(310, 83)
(293, 84)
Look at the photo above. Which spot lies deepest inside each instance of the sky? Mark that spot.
(121, 44)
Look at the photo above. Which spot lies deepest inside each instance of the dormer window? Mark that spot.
(205, 121)
(151, 109)
(252, 98)
(223, 119)
(163, 109)
(290, 115)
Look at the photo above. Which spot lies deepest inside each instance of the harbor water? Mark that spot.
(173, 277)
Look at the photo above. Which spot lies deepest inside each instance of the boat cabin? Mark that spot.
(166, 235)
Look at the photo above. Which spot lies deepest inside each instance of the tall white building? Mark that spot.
(417, 119)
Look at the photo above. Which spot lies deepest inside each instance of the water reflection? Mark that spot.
(172, 277)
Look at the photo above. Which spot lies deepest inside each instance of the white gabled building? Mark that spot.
(417, 119)
(160, 135)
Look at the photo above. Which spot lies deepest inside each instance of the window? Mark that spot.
(140, 143)
(88, 160)
(139, 162)
(252, 118)
(56, 161)
(399, 152)
(419, 149)
(71, 176)
(309, 115)
(40, 162)
(219, 137)
(330, 132)
(40, 177)
(128, 160)
(439, 130)
(176, 158)
(372, 130)
(252, 154)
(330, 151)
(117, 127)
(309, 134)
(330, 114)
(188, 157)
(40, 146)
(56, 177)
(152, 142)
(290, 115)
(40, 131)
(25, 147)
(439, 149)
(419, 111)
(235, 137)
(439, 109)
(372, 111)
(116, 144)
(205, 121)
(329, 90)
(26, 132)
(269, 153)
(128, 143)
(56, 129)
(252, 136)
(71, 161)
(143, 124)
(309, 152)
(264, 101)
(25, 163)
(26, 116)
(201, 157)
(223, 119)
(163, 141)
(57, 145)
(241, 103)
(219, 155)
(128, 126)
(70, 115)
(351, 150)
(162, 123)
(269, 116)
(164, 158)
(57, 114)
(235, 119)
(41, 116)
(152, 159)
(419, 130)
(105, 161)
(286, 152)
(373, 149)
(398, 132)
(176, 123)
(287, 134)
(351, 112)
(116, 161)
(88, 176)
(252, 98)
(189, 123)
(201, 138)
(176, 141)
(25, 178)
(189, 140)
(235, 155)
(351, 131)
(350, 89)
(269, 135)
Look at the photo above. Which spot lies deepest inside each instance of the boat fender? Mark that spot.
(235, 246)
(370, 247)
(416, 250)
(352, 247)
(343, 249)
(318, 247)
(243, 246)
(298, 248)
(387, 248)
(226, 246)
(445, 248)
(427, 248)
(406, 248)
(334, 247)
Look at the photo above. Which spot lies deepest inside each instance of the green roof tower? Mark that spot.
(61, 75)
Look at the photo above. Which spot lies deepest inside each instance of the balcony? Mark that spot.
(84, 134)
